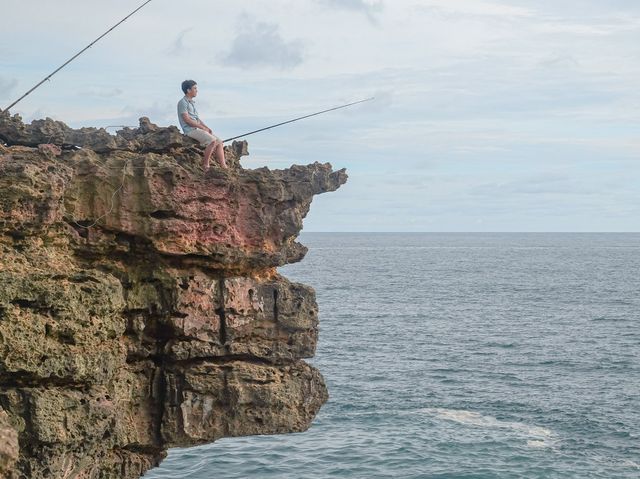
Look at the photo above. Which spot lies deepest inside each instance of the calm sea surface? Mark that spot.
(461, 356)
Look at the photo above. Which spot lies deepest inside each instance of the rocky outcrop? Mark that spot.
(140, 305)
(148, 137)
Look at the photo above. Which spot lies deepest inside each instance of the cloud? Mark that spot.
(7, 87)
(103, 92)
(368, 8)
(602, 26)
(157, 112)
(473, 8)
(37, 115)
(178, 48)
(560, 62)
(576, 29)
(260, 44)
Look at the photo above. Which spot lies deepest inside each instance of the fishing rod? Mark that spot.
(272, 126)
(48, 77)
(296, 119)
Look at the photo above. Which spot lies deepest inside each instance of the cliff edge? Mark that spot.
(140, 306)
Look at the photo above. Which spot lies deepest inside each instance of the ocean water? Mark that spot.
(461, 356)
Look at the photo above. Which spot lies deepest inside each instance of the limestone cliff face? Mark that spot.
(8, 446)
(140, 306)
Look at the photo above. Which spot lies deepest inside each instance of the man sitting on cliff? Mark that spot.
(195, 128)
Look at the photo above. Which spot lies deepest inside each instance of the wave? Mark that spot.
(537, 436)
(609, 319)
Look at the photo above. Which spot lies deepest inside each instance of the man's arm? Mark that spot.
(189, 121)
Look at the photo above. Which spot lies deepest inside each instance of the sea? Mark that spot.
(466, 355)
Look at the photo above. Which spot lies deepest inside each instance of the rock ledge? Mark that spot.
(140, 305)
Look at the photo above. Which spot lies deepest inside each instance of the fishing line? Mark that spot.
(48, 77)
(124, 167)
(297, 119)
(272, 126)
(113, 197)
(224, 141)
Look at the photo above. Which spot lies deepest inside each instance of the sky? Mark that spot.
(489, 116)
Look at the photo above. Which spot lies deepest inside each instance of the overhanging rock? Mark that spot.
(140, 305)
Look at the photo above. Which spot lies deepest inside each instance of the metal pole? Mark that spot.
(75, 56)
(296, 119)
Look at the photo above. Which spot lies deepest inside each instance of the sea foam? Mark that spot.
(537, 436)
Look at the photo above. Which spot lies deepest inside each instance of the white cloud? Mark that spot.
(8, 86)
(102, 91)
(260, 44)
(474, 8)
(575, 29)
(370, 9)
(178, 46)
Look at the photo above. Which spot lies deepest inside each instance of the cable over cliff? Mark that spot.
(140, 304)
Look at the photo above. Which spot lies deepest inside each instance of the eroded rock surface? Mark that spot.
(8, 447)
(140, 306)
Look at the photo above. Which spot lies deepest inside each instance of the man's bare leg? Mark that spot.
(219, 148)
(207, 154)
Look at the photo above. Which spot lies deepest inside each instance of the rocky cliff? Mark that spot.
(140, 306)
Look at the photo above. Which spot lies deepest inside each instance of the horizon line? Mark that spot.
(476, 232)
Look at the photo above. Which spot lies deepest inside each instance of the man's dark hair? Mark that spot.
(187, 84)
